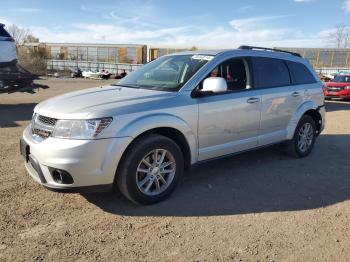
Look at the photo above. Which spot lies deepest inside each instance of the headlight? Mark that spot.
(80, 129)
(347, 87)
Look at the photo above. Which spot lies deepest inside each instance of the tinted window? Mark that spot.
(270, 72)
(300, 74)
(3, 32)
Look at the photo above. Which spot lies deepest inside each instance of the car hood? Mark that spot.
(101, 102)
(337, 84)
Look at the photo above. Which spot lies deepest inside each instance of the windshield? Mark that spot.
(168, 73)
(341, 79)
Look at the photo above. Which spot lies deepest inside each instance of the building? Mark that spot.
(105, 53)
(155, 52)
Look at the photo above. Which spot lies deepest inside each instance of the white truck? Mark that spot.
(12, 75)
(7, 47)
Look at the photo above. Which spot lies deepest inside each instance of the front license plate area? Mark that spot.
(24, 149)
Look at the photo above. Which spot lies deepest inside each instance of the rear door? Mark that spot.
(279, 98)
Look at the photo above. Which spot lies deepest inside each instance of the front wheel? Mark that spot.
(150, 169)
(304, 138)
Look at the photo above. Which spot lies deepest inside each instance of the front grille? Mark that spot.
(334, 88)
(42, 126)
(47, 120)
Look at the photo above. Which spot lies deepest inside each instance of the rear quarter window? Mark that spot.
(300, 73)
(270, 72)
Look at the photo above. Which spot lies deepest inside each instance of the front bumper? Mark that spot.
(322, 111)
(344, 94)
(91, 163)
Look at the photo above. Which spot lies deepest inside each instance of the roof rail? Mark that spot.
(247, 47)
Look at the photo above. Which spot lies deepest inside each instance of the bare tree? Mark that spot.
(21, 35)
(341, 36)
(31, 39)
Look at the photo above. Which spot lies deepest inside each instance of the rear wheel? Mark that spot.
(304, 137)
(150, 169)
(4, 86)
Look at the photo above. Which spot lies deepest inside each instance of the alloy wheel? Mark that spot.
(155, 172)
(305, 137)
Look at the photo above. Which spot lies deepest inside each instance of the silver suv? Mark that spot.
(142, 133)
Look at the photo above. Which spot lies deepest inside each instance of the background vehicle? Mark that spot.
(76, 72)
(339, 87)
(142, 133)
(7, 47)
(12, 75)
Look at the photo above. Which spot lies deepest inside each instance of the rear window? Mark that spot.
(300, 73)
(3, 32)
(270, 72)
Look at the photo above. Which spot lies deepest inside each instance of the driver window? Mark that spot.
(234, 72)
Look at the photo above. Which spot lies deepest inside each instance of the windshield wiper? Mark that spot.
(130, 86)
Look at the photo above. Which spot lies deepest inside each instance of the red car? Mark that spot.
(339, 87)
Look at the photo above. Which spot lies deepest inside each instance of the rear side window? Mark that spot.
(300, 73)
(3, 32)
(270, 72)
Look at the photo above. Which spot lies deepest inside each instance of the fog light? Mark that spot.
(61, 176)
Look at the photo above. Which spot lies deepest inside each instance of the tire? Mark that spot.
(160, 181)
(5, 86)
(295, 147)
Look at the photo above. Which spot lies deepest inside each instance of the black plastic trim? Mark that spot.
(247, 47)
(36, 166)
(319, 107)
(83, 189)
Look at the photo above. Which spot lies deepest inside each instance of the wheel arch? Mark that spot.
(166, 125)
(307, 108)
(316, 116)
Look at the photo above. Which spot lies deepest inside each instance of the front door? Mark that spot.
(229, 122)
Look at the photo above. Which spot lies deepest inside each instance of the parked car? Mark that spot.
(76, 72)
(339, 87)
(142, 133)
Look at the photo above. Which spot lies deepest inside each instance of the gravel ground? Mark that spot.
(258, 206)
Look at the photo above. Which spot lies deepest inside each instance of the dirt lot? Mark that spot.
(259, 206)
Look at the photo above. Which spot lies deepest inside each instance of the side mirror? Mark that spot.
(215, 85)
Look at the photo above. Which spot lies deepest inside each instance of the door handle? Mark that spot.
(295, 94)
(253, 100)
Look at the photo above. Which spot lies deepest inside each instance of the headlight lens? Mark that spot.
(347, 87)
(80, 129)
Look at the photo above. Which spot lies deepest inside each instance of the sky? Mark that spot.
(181, 23)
